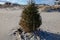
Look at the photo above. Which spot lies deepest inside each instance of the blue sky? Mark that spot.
(50, 2)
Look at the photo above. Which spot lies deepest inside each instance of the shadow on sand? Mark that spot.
(47, 35)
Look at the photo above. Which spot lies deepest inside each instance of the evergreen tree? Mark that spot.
(30, 19)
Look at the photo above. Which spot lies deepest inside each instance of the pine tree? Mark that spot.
(30, 19)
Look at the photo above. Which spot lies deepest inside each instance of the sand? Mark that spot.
(9, 19)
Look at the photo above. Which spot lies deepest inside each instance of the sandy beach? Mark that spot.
(9, 19)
